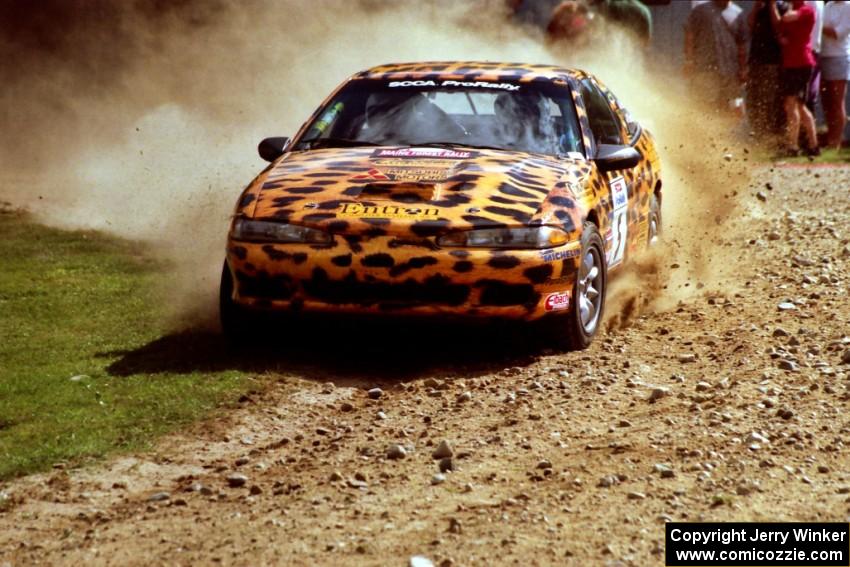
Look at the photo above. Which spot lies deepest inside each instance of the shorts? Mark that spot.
(835, 68)
(794, 81)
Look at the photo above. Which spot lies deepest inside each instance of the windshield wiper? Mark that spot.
(458, 145)
(336, 142)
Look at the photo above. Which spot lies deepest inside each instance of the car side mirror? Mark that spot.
(272, 148)
(612, 157)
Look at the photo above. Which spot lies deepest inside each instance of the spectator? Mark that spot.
(764, 104)
(582, 21)
(798, 61)
(835, 66)
(632, 15)
(715, 53)
(817, 34)
(730, 12)
(533, 13)
(571, 21)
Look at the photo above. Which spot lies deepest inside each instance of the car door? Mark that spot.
(621, 205)
(642, 178)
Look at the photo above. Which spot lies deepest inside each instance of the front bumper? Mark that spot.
(385, 274)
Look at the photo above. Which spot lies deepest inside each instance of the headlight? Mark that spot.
(263, 231)
(530, 237)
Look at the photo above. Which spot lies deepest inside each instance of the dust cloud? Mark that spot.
(703, 165)
(141, 119)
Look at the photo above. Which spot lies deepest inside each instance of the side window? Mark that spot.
(624, 117)
(632, 125)
(604, 124)
(570, 134)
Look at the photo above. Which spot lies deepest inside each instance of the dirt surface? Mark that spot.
(722, 407)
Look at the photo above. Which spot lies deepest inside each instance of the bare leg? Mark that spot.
(828, 98)
(808, 123)
(834, 111)
(792, 116)
(840, 94)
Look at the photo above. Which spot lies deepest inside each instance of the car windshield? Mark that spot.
(528, 117)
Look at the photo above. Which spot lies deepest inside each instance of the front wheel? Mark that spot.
(654, 228)
(589, 292)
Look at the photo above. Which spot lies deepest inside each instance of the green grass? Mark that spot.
(75, 304)
(831, 156)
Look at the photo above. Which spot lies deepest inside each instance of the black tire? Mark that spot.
(237, 324)
(654, 225)
(572, 331)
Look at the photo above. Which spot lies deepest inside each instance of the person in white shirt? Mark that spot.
(817, 31)
(817, 36)
(730, 13)
(835, 66)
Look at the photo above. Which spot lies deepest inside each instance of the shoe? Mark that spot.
(813, 152)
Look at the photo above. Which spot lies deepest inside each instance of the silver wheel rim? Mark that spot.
(653, 230)
(590, 290)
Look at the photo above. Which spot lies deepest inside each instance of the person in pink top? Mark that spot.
(798, 61)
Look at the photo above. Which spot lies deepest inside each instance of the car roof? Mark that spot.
(469, 71)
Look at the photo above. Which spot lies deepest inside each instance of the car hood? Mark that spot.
(418, 191)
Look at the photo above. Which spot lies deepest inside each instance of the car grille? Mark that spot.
(436, 289)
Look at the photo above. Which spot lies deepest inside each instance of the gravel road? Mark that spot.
(481, 446)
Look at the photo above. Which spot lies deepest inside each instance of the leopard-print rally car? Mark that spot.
(478, 189)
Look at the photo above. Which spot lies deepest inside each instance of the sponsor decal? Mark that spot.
(417, 174)
(416, 153)
(327, 119)
(619, 220)
(481, 85)
(372, 175)
(619, 192)
(420, 162)
(357, 210)
(555, 255)
(465, 84)
(558, 301)
(428, 170)
(433, 171)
